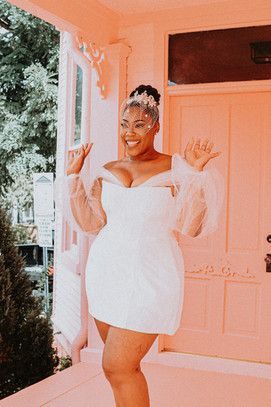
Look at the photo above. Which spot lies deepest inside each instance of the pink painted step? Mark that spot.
(84, 385)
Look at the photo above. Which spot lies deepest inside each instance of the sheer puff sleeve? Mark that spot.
(199, 198)
(79, 205)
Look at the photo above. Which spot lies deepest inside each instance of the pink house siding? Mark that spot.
(136, 49)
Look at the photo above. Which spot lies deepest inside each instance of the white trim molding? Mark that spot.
(218, 88)
(96, 56)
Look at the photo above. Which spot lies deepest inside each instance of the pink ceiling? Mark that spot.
(142, 6)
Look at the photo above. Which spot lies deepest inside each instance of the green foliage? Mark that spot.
(41, 290)
(29, 51)
(30, 230)
(26, 352)
(64, 362)
(21, 234)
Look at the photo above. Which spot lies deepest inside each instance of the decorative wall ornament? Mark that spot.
(223, 271)
(96, 56)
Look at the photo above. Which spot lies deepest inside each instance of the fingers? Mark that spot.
(205, 145)
(209, 148)
(85, 149)
(73, 153)
(189, 145)
(216, 154)
(197, 144)
(82, 150)
(88, 148)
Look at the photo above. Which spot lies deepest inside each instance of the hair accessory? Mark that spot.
(145, 98)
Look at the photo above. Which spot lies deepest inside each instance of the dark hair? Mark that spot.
(150, 91)
(153, 112)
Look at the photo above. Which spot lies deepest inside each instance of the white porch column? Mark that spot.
(105, 135)
(105, 112)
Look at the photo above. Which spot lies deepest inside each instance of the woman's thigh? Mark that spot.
(124, 349)
(103, 329)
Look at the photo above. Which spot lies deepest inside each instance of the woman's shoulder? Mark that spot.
(111, 164)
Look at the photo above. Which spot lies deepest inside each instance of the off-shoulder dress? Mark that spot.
(135, 268)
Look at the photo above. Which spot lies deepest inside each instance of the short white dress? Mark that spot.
(135, 268)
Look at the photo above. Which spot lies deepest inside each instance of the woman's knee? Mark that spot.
(116, 374)
(113, 365)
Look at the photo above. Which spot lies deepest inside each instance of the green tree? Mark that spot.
(29, 51)
(26, 335)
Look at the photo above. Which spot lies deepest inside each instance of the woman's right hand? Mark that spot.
(77, 158)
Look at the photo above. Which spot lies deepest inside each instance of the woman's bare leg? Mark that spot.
(103, 329)
(122, 354)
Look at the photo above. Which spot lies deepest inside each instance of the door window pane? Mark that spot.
(219, 55)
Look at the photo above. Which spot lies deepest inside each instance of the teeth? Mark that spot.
(132, 143)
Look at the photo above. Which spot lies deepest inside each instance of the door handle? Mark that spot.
(267, 258)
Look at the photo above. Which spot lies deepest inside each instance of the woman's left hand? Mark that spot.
(199, 154)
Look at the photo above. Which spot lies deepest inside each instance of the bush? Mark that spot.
(26, 335)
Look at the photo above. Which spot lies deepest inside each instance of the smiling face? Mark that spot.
(137, 130)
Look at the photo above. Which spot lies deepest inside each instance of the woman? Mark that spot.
(135, 270)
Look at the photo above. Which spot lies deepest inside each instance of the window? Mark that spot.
(78, 105)
(218, 56)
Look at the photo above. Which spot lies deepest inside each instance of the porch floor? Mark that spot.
(84, 385)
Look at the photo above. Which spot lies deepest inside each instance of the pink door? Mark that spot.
(227, 304)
